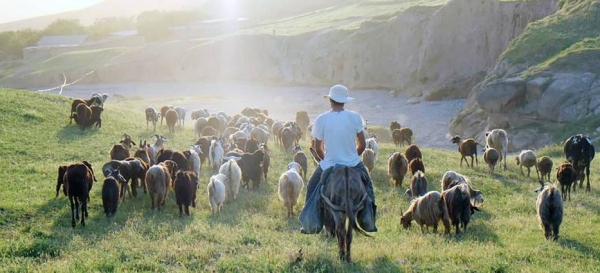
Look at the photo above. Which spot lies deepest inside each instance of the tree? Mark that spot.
(103, 27)
(64, 27)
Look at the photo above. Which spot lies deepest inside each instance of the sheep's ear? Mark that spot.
(133, 142)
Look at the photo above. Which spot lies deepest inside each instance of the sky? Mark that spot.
(13, 10)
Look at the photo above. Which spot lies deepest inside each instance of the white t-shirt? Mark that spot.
(338, 130)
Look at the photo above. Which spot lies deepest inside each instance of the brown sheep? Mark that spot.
(96, 116)
(418, 185)
(251, 165)
(549, 207)
(152, 116)
(458, 204)
(185, 191)
(84, 116)
(61, 177)
(78, 181)
(466, 147)
(303, 121)
(368, 159)
(566, 175)
(158, 181)
(452, 178)
(266, 160)
(416, 165)
(171, 117)
(491, 156)
(402, 135)
(394, 125)
(301, 158)
(412, 152)
(209, 131)
(427, 211)
(397, 168)
(251, 145)
(528, 159)
(163, 112)
(77, 102)
(544, 166)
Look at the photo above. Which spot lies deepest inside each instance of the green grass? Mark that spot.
(556, 36)
(252, 234)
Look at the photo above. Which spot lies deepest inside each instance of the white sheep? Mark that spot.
(216, 192)
(233, 172)
(372, 144)
(215, 154)
(194, 160)
(181, 112)
(262, 136)
(290, 186)
(154, 148)
(527, 159)
(498, 139)
(368, 158)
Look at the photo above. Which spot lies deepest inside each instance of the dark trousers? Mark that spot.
(316, 177)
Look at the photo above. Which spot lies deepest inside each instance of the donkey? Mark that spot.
(343, 197)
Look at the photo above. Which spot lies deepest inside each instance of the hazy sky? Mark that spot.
(13, 10)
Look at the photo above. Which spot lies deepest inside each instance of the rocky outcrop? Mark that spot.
(435, 51)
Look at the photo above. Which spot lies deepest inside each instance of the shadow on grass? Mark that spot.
(329, 264)
(580, 247)
(70, 133)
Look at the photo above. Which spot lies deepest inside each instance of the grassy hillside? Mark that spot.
(252, 233)
(567, 40)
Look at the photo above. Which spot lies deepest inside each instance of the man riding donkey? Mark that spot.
(340, 133)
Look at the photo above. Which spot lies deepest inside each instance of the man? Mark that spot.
(337, 132)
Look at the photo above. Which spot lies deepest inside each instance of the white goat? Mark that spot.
(290, 186)
(372, 144)
(216, 192)
(233, 172)
(498, 139)
(215, 154)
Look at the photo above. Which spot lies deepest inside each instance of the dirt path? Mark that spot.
(429, 119)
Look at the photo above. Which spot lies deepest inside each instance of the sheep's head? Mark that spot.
(456, 139)
(406, 220)
(518, 161)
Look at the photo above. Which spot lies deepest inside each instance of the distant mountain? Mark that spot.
(216, 8)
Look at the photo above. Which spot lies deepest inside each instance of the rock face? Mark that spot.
(435, 51)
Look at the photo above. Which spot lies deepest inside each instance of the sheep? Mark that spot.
(163, 112)
(427, 211)
(181, 160)
(416, 165)
(216, 153)
(77, 102)
(62, 170)
(261, 135)
(458, 204)
(232, 171)
(214, 122)
(251, 145)
(544, 165)
(295, 129)
(251, 168)
(142, 153)
(119, 152)
(566, 176)
(158, 181)
(394, 125)
(199, 125)
(200, 113)
(216, 192)
(84, 116)
(193, 156)
(451, 178)
(300, 158)
(372, 144)
(550, 211)
(498, 139)
(528, 159)
(78, 182)
(151, 116)
(418, 184)
(185, 186)
(412, 152)
(96, 116)
(172, 118)
(491, 157)
(290, 186)
(580, 152)
(110, 192)
(154, 148)
(132, 168)
(181, 113)
(402, 135)
(277, 125)
(466, 147)
(303, 121)
(204, 144)
(266, 161)
(397, 168)
(209, 131)
(368, 159)
(99, 98)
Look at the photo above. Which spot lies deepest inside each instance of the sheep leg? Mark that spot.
(587, 174)
(84, 212)
(528, 172)
(180, 209)
(555, 229)
(547, 231)
(187, 210)
(476, 160)
(73, 211)
(152, 199)
(472, 166)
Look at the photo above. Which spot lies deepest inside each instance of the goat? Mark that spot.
(397, 168)
(457, 200)
(550, 211)
(566, 176)
(368, 159)
(580, 152)
(216, 153)
(372, 144)
(163, 112)
(418, 184)
(416, 165)
(300, 158)
(233, 172)
(172, 118)
(498, 139)
(84, 116)
(181, 112)
(452, 178)
(544, 165)
(158, 181)
(251, 168)
(78, 180)
(412, 152)
(491, 157)
(290, 186)
(427, 211)
(528, 159)
(152, 116)
(62, 170)
(216, 192)
(303, 121)
(466, 147)
(110, 192)
(185, 186)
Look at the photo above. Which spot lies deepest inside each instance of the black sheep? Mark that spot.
(185, 186)
(78, 181)
(251, 168)
(458, 202)
(580, 152)
(110, 192)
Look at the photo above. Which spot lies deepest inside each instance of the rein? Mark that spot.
(340, 208)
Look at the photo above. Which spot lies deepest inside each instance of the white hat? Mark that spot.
(339, 93)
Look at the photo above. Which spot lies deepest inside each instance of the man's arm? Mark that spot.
(360, 143)
(318, 146)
